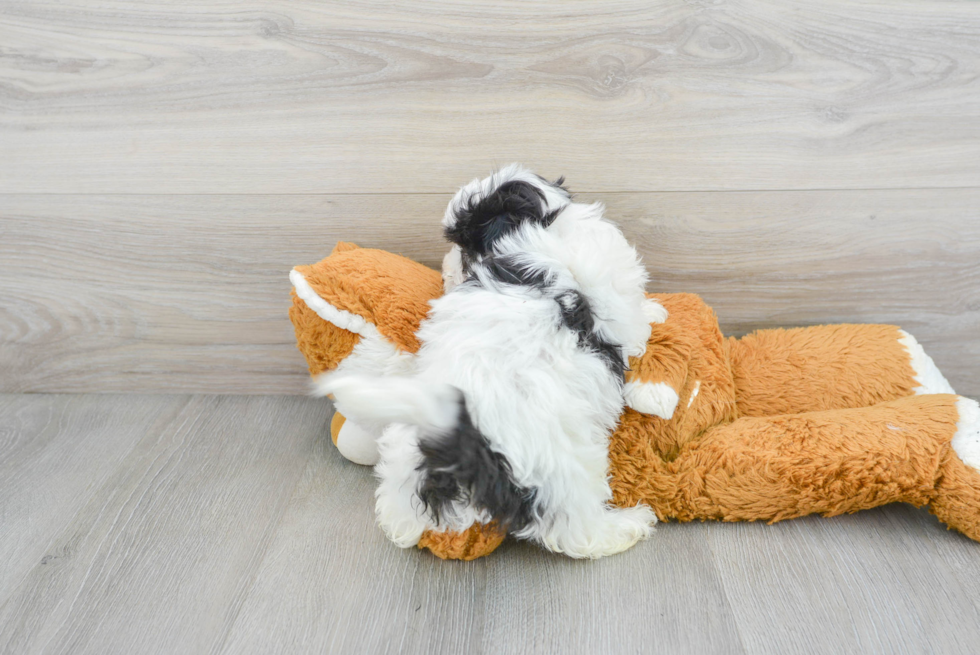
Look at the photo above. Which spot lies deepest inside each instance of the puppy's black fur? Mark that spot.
(461, 466)
(485, 220)
(575, 311)
(576, 315)
(509, 270)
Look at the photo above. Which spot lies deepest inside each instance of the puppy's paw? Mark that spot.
(654, 311)
(625, 527)
(399, 517)
(608, 532)
(657, 398)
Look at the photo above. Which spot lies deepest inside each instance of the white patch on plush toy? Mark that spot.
(357, 444)
(966, 441)
(657, 398)
(373, 354)
(339, 317)
(654, 311)
(694, 394)
(926, 373)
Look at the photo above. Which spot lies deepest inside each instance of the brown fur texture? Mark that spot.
(816, 368)
(775, 425)
(389, 291)
(323, 344)
(691, 333)
(779, 467)
(468, 545)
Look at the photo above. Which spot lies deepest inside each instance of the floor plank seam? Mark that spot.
(268, 539)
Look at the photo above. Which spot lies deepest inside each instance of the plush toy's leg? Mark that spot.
(957, 503)
(829, 367)
(478, 541)
(920, 449)
(928, 379)
(354, 442)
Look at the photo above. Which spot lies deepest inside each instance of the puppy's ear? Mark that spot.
(460, 466)
(484, 219)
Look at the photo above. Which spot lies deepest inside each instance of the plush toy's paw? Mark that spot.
(656, 398)
(966, 441)
(928, 379)
(957, 501)
(478, 540)
(654, 311)
(354, 442)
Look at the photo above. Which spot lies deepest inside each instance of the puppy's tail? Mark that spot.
(383, 400)
(457, 462)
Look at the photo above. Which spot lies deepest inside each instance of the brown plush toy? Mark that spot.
(775, 425)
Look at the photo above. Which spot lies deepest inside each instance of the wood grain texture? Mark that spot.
(234, 526)
(55, 454)
(163, 554)
(664, 596)
(331, 582)
(362, 594)
(279, 96)
(871, 582)
(189, 293)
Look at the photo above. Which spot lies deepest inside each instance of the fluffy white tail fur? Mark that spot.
(390, 399)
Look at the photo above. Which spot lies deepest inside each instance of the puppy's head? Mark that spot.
(484, 211)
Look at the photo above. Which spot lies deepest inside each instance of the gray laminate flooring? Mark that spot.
(229, 524)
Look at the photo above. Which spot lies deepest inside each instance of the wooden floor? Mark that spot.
(229, 524)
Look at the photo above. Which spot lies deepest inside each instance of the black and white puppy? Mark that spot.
(519, 380)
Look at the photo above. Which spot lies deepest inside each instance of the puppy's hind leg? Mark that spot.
(398, 507)
(603, 530)
(581, 524)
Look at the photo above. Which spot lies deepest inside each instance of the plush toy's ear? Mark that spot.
(359, 294)
(360, 307)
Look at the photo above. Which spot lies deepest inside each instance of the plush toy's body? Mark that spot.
(775, 425)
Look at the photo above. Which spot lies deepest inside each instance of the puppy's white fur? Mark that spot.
(539, 397)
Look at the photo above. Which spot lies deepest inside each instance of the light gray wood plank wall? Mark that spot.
(164, 164)
(189, 293)
(281, 96)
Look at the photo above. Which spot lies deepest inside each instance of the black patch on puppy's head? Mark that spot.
(461, 467)
(484, 220)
